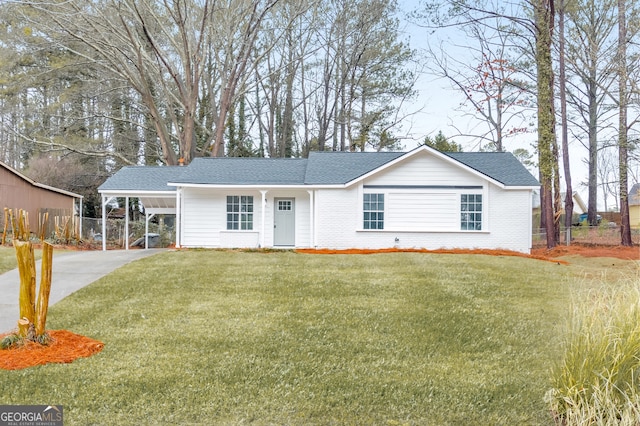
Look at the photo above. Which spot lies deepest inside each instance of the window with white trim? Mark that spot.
(373, 210)
(240, 212)
(471, 212)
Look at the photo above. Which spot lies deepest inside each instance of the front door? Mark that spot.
(284, 224)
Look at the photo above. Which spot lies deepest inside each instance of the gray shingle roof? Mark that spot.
(500, 166)
(142, 178)
(244, 171)
(327, 168)
(321, 168)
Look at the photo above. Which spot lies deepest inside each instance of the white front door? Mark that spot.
(284, 224)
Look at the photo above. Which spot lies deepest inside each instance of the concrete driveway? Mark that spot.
(71, 271)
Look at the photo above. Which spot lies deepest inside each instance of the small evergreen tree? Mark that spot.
(442, 144)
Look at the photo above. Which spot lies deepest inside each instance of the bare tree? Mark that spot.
(166, 51)
(623, 143)
(608, 175)
(541, 27)
(590, 58)
(361, 75)
(495, 90)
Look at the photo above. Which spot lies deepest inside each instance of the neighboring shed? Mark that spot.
(17, 191)
(418, 199)
(634, 206)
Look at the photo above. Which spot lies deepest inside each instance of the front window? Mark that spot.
(240, 212)
(471, 212)
(373, 209)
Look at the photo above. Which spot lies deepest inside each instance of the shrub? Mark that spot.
(597, 380)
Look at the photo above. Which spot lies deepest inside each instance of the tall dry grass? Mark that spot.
(597, 381)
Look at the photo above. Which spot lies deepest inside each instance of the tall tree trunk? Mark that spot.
(544, 16)
(625, 226)
(557, 196)
(287, 114)
(568, 199)
(592, 208)
(259, 114)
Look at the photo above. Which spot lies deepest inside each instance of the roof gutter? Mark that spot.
(255, 186)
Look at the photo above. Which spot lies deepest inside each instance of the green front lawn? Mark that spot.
(8, 258)
(215, 337)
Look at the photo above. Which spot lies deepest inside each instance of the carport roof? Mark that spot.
(142, 179)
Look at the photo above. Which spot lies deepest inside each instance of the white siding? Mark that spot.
(204, 218)
(422, 210)
(337, 218)
(506, 223)
(427, 170)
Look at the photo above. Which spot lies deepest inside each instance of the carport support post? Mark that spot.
(146, 230)
(105, 201)
(104, 223)
(126, 224)
(178, 224)
(147, 218)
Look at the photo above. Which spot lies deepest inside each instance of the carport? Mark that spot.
(149, 185)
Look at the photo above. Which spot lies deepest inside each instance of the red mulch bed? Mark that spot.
(439, 251)
(65, 347)
(619, 252)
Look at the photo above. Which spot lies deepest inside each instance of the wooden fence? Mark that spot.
(58, 225)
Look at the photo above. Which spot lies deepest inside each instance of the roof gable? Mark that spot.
(501, 167)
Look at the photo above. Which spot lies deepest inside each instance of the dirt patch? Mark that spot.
(590, 250)
(65, 347)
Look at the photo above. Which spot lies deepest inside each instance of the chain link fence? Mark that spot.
(606, 234)
(161, 232)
